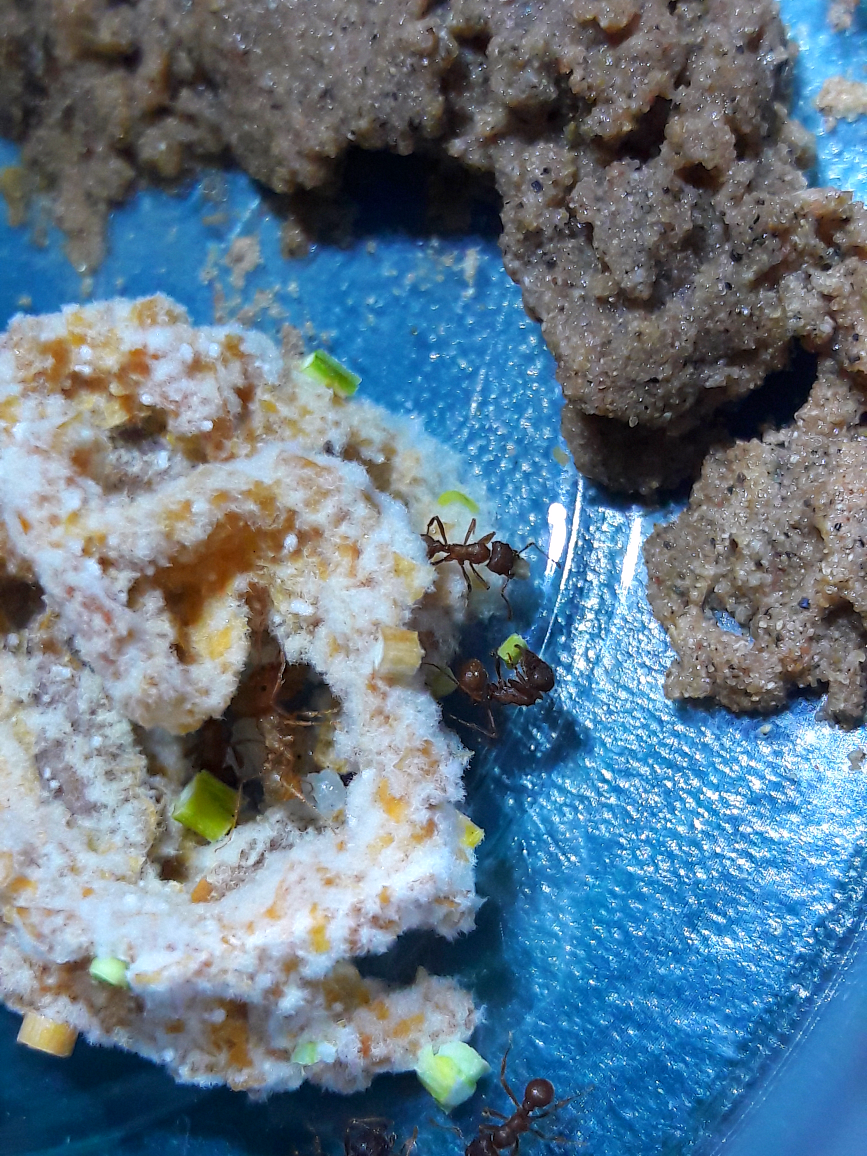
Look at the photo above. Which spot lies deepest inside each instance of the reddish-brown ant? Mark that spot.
(530, 682)
(467, 554)
(269, 743)
(499, 557)
(538, 1102)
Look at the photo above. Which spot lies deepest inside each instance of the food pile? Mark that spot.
(222, 774)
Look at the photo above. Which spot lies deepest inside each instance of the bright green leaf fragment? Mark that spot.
(451, 1073)
(457, 498)
(206, 806)
(511, 650)
(327, 370)
(110, 969)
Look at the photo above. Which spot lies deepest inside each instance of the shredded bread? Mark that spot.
(180, 499)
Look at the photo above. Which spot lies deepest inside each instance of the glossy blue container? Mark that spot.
(674, 896)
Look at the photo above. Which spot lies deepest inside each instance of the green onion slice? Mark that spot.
(451, 1073)
(512, 649)
(110, 969)
(457, 498)
(328, 371)
(206, 806)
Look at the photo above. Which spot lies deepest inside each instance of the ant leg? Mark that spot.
(470, 531)
(437, 521)
(453, 1128)
(562, 1103)
(494, 735)
(506, 600)
(503, 1079)
(410, 1143)
(493, 1112)
(467, 578)
(478, 575)
(491, 734)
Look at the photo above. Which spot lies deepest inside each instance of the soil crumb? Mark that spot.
(760, 583)
(842, 99)
(841, 13)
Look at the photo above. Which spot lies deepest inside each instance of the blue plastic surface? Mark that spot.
(671, 890)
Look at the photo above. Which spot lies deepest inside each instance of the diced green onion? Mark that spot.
(512, 649)
(457, 497)
(450, 1073)
(313, 1052)
(328, 371)
(206, 806)
(110, 969)
(471, 833)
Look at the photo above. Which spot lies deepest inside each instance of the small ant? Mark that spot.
(466, 554)
(499, 557)
(536, 1105)
(369, 1138)
(531, 681)
(256, 747)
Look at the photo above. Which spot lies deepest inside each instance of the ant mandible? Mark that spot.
(536, 1104)
(531, 681)
(499, 557)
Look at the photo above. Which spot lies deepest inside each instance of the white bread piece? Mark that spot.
(155, 479)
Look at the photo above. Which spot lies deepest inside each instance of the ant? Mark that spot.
(369, 1138)
(536, 1105)
(531, 681)
(255, 746)
(499, 557)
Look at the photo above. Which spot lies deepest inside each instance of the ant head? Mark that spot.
(538, 1094)
(502, 557)
(537, 672)
(255, 696)
(473, 678)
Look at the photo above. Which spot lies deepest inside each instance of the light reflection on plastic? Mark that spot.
(557, 536)
(630, 558)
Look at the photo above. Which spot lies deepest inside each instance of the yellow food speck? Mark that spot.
(318, 932)
(393, 806)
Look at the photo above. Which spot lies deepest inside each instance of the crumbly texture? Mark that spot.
(171, 496)
(841, 13)
(760, 583)
(842, 99)
(650, 177)
(770, 536)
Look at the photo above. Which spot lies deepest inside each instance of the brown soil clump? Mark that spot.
(650, 177)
